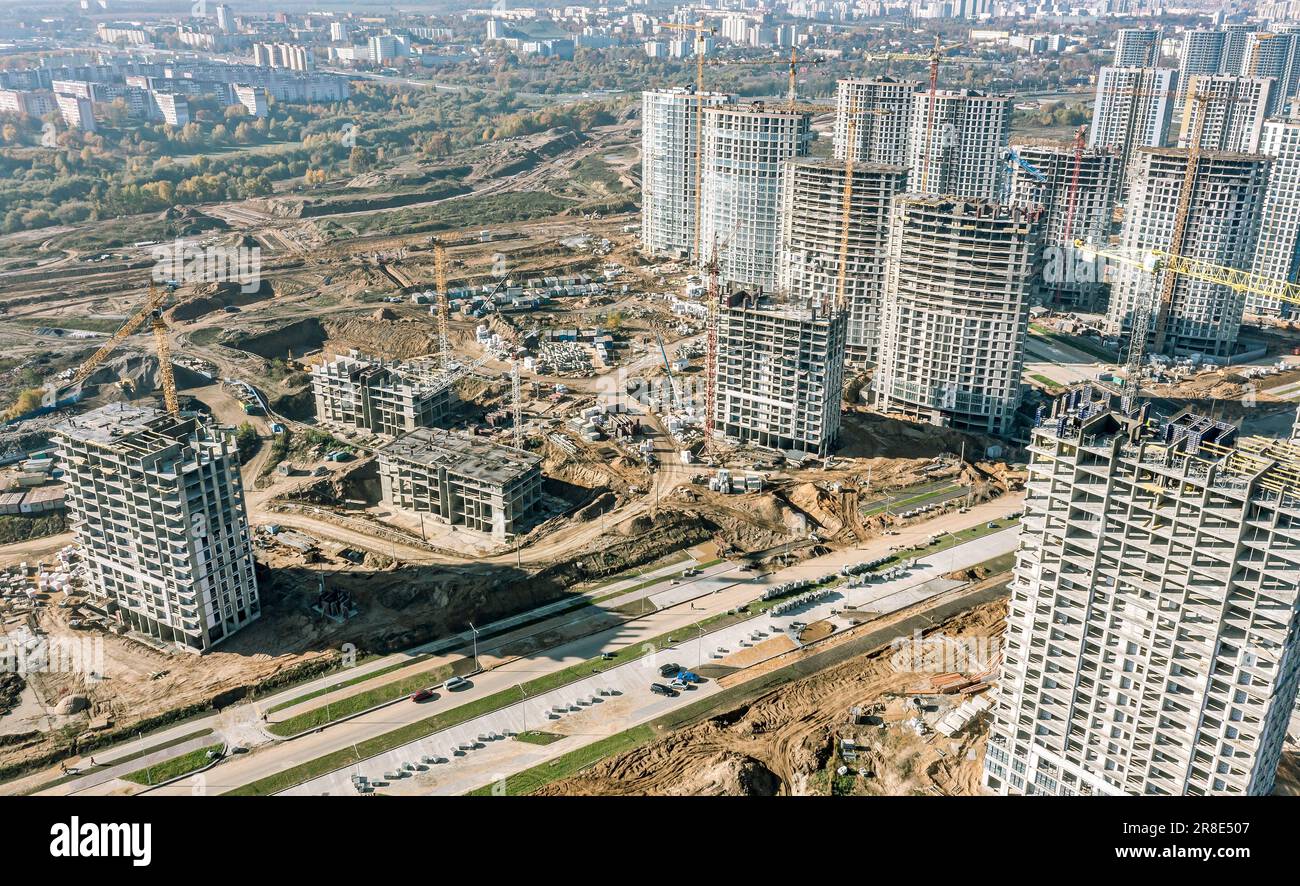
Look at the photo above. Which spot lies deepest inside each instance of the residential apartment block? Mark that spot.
(745, 150)
(365, 393)
(671, 141)
(961, 153)
(1222, 227)
(958, 281)
(876, 116)
(813, 246)
(780, 373)
(157, 509)
(1151, 641)
(461, 480)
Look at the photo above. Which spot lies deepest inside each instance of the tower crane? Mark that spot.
(712, 294)
(152, 311)
(933, 58)
(1157, 262)
(444, 308)
(1170, 279)
(516, 406)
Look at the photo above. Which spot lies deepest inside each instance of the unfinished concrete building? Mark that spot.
(461, 480)
(1137, 48)
(1234, 111)
(1277, 253)
(1222, 227)
(1275, 53)
(157, 508)
(1133, 107)
(812, 230)
(1202, 53)
(780, 374)
(876, 114)
(1151, 640)
(358, 392)
(1076, 201)
(961, 154)
(745, 151)
(957, 287)
(670, 144)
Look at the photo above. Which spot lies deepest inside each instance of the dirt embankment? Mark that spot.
(206, 299)
(784, 742)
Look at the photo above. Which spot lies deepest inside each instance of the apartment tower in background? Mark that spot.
(1222, 225)
(1076, 205)
(1277, 252)
(876, 114)
(961, 154)
(669, 147)
(812, 230)
(745, 151)
(958, 281)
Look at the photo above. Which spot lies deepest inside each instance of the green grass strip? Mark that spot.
(343, 684)
(175, 767)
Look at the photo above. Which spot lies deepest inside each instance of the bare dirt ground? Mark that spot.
(784, 743)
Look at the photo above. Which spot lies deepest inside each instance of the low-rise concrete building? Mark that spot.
(364, 393)
(461, 480)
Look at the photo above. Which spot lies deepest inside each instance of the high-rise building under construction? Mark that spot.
(817, 239)
(957, 288)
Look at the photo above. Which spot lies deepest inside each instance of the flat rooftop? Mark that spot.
(462, 454)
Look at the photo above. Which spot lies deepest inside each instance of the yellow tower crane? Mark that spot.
(1162, 262)
(152, 311)
(444, 307)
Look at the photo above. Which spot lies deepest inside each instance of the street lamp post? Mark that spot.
(477, 668)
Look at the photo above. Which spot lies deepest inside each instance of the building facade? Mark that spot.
(1133, 108)
(1137, 48)
(1222, 227)
(957, 288)
(780, 374)
(813, 245)
(960, 154)
(1277, 252)
(745, 151)
(876, 116)
(671, 141)
(461, 480)
(1234, 109)
(363, 393)
(1075, 195)
(1151, 640)
(157, 509)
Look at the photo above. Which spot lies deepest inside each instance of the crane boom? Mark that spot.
(152, 311)
(129, 328)
(444, 309)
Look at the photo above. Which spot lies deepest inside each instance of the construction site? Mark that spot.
(553, 337)
(440, 446)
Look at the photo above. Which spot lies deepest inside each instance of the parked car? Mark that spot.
(661, 689)
(670, 670)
